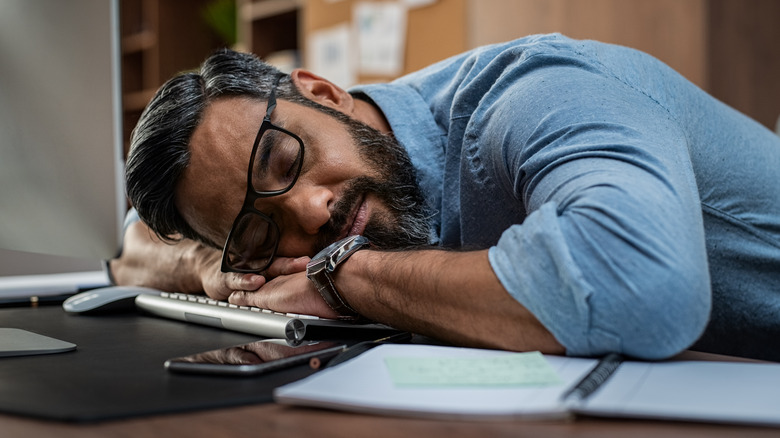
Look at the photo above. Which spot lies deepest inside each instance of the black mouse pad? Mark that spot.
(117, 370)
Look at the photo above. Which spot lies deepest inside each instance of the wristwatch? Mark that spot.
(321, 268)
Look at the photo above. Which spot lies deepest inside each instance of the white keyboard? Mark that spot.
(292, 327)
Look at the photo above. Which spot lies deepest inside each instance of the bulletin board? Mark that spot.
(432, 30)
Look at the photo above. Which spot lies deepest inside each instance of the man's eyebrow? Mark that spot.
(266, 143)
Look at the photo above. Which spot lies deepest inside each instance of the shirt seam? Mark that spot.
(607, 70)
(744, 225)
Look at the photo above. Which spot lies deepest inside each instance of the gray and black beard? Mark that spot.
(406, 224)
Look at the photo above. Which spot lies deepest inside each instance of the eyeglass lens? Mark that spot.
(276, 162)
(275, 165)
(253, 243)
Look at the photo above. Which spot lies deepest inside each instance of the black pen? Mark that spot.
(320, 360)
(358, 349)
(34, 300)
(594, 379)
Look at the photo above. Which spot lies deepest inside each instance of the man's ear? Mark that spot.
(322, 91)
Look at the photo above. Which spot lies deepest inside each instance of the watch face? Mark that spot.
(335, 253)
(333, 246)
(319, 270)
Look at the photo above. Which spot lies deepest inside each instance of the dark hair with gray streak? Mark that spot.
(159, 150)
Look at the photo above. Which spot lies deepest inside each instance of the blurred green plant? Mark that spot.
(220, 16)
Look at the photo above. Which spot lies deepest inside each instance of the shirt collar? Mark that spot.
(414, 127)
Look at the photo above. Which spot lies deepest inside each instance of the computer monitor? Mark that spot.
(61, 160)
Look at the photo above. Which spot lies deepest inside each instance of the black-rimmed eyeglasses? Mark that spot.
(274, 167)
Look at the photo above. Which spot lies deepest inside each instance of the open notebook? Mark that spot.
(448, 382)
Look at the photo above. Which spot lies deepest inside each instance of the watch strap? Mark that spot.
(335, 301)
(321, 267)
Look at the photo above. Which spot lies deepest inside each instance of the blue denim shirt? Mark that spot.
(628, 210)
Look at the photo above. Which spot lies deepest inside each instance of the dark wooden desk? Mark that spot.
(134, 337)
(271, 420)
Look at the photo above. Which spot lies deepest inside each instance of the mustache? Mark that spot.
(406, 210)
(331, 231)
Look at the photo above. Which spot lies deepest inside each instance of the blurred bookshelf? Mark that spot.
(729, 48)
(159, 38)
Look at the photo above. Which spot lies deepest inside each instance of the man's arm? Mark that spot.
(451, 296)
(184, 266)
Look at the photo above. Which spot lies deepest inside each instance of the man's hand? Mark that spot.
(189, 267)
(183, 266)
(219, 285)
(288, 291)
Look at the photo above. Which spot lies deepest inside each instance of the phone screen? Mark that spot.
(254, 358)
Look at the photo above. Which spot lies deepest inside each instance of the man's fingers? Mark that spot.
(287, 266)
(220, 285)
(293, 293)
(246, 282)
(238, 298)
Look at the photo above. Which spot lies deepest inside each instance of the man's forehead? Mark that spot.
(227, 122)
(210, 190)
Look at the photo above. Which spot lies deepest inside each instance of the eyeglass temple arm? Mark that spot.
(272, 99)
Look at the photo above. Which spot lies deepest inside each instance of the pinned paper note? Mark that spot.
(330, 55)
(380, 29)
(517, 369)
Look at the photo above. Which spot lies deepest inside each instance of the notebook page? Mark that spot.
(364, 384)
(731, 392)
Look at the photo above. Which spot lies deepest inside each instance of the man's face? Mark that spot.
(354, 180)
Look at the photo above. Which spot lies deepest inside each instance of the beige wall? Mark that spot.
(672, 30)
(731, 48)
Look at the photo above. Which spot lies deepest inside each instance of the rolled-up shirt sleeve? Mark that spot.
(611, 255)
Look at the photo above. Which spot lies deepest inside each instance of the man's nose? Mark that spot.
(309, 206)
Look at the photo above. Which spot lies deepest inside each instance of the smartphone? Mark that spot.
(254, 358)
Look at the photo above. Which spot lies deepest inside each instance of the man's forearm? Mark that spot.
(148, 261)
(452, 296)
